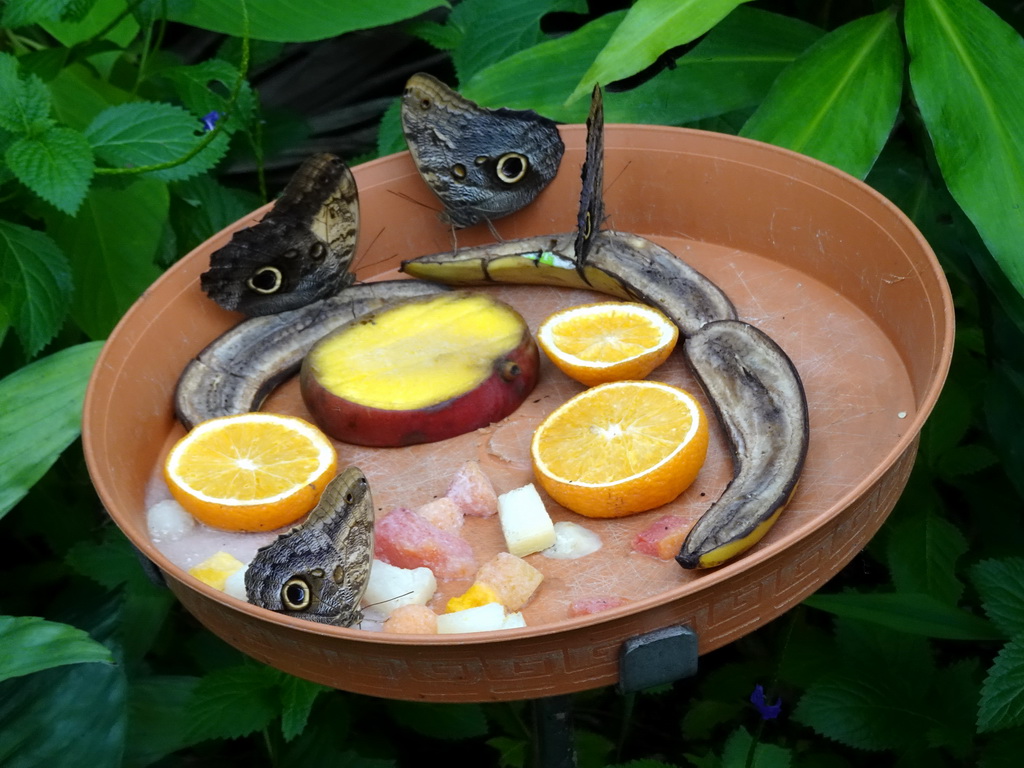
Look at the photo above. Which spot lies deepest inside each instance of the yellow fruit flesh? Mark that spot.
(418, 354)
(624, 438)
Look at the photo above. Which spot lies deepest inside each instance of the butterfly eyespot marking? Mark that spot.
(296, 594)
(509, 370)
(459, 171)
(512, 167)
(480, 159)
(318, 251)
(349, 498)
(425, 104)
(586, 233)
(266, 280)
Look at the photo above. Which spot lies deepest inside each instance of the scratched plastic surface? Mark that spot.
(832, 271)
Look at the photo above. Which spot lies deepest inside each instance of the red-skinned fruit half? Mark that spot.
(421, 371)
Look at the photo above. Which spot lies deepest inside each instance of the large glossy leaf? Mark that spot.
(914, 613)
(966, 66)
(32, 644)
(41, 415)
(298, 20)
(838, 101)
(650, 28)
(733, 67)
(112, 263)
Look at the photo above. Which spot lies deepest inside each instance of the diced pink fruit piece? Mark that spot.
(663, 537)
(442, 512)
(412, 620)
(472, 492)
(588, 605)
(404, 539)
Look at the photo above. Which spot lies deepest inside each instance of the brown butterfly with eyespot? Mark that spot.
(299, 252)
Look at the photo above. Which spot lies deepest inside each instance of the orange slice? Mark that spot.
(620, 448)
(250, 472)
(608, 341)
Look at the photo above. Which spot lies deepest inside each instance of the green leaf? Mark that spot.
(157, 711)
(233, 702)
(741, 752)
(23, 13)
(55, 164)
(79, 96)
(72, 716)
(200, 206)
(489, 35)
(866, 711)
(145, 133)
(297, 697)
(42, 414)
(1002, 693)
(838, 102)
(922, 551)
(440, 721)
(1000, 583)
(962, 58)
(295, 21)
(24, 100)
(205, 87)
(35, 271)
(32, 644)
(650, 28)
(731, 68)
(113, 263)
(916, 614)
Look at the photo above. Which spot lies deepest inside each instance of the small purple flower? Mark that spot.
(767, 711)
(209, 120)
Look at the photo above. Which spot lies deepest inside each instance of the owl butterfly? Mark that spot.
(591, 211)
(299, 252)
(318, 570)
(482, 163)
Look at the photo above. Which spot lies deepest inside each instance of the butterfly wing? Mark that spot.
(301, 250)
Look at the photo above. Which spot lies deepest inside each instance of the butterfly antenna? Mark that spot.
(591, 212)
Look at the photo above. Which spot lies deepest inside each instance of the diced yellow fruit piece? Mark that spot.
(215, 569)
(513, 579)
(475, 596)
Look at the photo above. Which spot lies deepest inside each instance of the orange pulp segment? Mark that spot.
(620, 448)
(250, 472)
(608, 341)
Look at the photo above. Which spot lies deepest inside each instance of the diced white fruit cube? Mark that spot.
(482, 618)
(513, 621)
(524, 521)
(167, 520)
(234, 584)
(390, 587)
(572, 540)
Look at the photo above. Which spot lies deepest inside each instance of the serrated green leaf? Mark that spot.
(865, 712)
(24, 100)
(232, 702)
(295, 21)
(962, 56)
(1000, 583)
(31, 644)
(650, 28)
(37, 273)
(731, 68)
(55, 164)
(42, 414)
(922, 552)
(489, 35)
(916, 614)
(440, 721)
(113, 263)
(201, 206)
(297, 698)
(838, 102)
(954, 695)
(741, 752)
(442, 36)
(1002, 693)
(143, 134)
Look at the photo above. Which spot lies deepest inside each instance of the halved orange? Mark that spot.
(608, 341)
(250, 472)
(620, 448)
